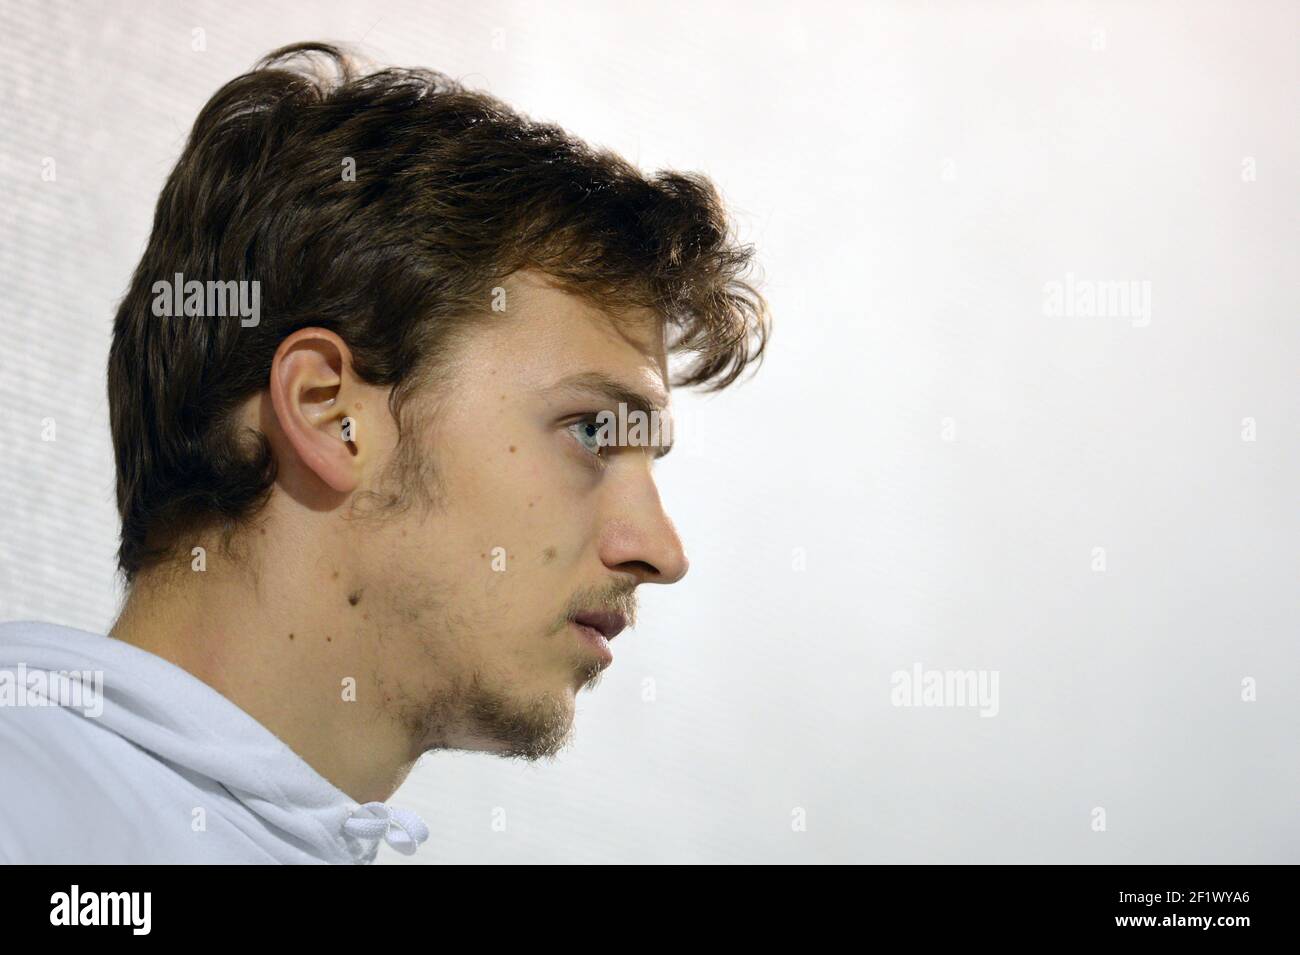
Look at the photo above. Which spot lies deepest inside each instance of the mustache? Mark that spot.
(618, 598)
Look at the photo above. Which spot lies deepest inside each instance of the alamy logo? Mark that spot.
(1091, 299)
(102, 908)
(194, 299)
(921, 687)
(634, 428)
(75, 689)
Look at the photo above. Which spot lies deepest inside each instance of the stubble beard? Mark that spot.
(481, 712)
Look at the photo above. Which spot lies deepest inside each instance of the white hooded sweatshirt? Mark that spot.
(111, 754)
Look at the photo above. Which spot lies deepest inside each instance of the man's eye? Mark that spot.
(587, 433)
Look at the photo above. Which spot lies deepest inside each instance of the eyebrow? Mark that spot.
(600, 385)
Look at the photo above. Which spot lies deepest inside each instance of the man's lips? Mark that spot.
(609, 623)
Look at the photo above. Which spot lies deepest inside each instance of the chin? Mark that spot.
(525, 726)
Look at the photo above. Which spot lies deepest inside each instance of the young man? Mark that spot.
(369, 392)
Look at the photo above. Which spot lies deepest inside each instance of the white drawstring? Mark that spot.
(400, 828)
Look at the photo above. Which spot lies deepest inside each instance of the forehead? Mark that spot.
(546, 335)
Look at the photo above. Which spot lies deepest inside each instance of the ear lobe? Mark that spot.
(308, 381)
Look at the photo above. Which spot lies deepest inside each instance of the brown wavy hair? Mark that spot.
(453, 191)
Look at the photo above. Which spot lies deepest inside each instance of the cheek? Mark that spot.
(524, 483)
(498, 514)
(522, 501)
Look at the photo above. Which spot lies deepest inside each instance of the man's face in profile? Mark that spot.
(468, 605)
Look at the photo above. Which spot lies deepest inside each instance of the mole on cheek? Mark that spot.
(354, 598)
(548, 555)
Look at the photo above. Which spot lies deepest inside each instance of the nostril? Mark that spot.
(641, 568)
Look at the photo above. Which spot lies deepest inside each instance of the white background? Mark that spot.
(913, 175)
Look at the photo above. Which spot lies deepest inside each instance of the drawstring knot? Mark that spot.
(400, 828)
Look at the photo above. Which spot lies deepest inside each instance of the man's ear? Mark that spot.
(310, 387)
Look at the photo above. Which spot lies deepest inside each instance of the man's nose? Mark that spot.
(640, 539)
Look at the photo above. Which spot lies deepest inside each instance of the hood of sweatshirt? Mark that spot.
(185, 723)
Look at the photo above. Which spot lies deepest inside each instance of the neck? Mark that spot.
(280, 648)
